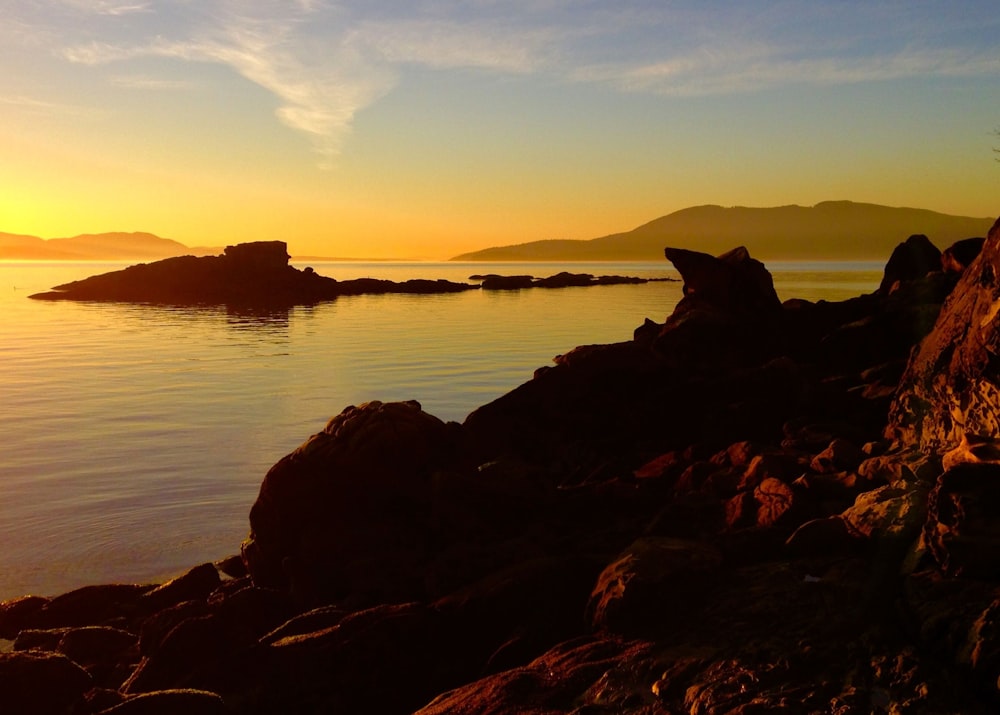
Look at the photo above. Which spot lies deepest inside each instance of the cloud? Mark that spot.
(756, 68)
(325, 61)
(151, 83)
(109, 7)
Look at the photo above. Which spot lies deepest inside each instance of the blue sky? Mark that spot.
(425, 128)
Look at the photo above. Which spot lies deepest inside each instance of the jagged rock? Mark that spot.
(40, 683)
(728, 316)
(962, 530)
(913, 259)
(951, 387)
(733, 283)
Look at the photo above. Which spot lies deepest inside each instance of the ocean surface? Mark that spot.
(133, 439)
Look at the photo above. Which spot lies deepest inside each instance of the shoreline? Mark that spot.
(738, 486)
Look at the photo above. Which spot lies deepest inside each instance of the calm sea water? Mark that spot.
(133, 439)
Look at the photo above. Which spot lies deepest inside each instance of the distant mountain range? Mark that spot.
(842, 230)
(95, 247)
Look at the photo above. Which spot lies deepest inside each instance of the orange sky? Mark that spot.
(422, 130)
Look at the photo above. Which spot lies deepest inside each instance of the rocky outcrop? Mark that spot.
(257, 275)
(951, 388)
(493, 281)
(750, 507)
(246, 275)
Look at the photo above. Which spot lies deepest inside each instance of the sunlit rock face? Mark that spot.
(950, 390)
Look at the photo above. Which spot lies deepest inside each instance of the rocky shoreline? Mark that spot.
(751, 507)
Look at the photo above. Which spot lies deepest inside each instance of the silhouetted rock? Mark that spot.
(248, 274)
(960, 255)
(352, 509)
(911, 260)
(38, 683)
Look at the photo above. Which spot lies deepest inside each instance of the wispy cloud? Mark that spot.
(152, 83)
(109, 7)
(730, 70)
(325, 61)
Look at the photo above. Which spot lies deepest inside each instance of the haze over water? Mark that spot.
(135, 438)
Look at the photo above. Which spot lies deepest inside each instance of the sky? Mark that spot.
(427, 128)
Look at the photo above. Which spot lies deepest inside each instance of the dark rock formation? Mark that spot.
(751, 507)
(246, 275)
(951, 388)
(911, 260)
(493, 281)
(957, 257)
(257, 276)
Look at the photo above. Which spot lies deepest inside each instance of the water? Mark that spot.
(134, 438)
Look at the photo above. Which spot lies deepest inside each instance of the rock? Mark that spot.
(889, 512)
(232, 566)
(733, 283)
(246, 275)
(913, 259)
(40, 683)
(495, 282)
(780, 505)
(17, 614)
(90, 605)
(351, 511)
(98, 645)
(962, 530)
(951, 387)
(559, 676)
(652, 584)
(839, 456)
(171, 702)
(728, 316)
(960, 255)
(384, 660)
(197, 583)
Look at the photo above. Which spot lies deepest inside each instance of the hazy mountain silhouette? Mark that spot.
(828, 230)
(95, 247)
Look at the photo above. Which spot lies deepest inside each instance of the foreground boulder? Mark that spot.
(352, 510)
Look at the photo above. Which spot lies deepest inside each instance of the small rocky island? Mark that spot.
(751, 507)
(258, 275)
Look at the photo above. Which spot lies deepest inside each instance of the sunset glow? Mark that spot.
(426, 129)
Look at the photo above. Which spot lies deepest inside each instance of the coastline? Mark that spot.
(670, 517)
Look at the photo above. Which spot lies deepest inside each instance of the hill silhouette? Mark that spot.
(829, 230)
(95, 247)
